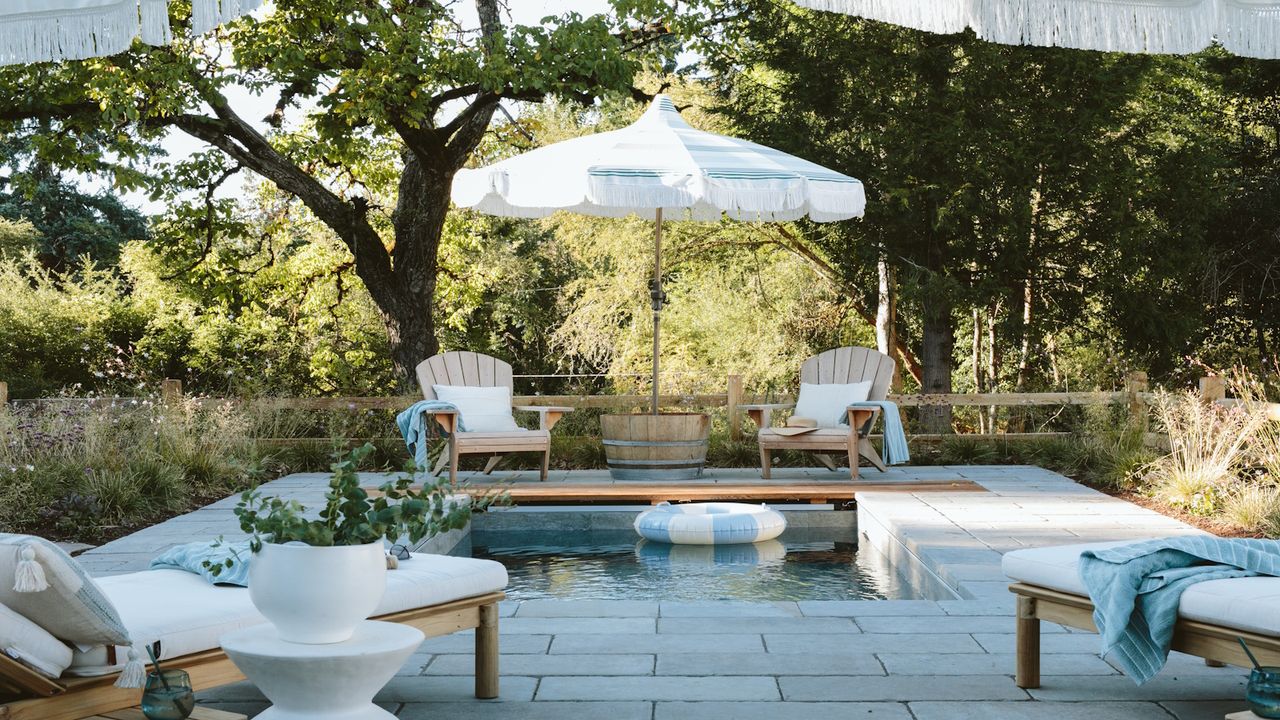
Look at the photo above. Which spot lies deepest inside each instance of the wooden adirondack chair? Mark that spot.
(476, 370)
(841, 365)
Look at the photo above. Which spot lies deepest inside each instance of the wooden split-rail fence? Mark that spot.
(1135, 398)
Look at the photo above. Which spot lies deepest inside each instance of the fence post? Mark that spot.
(4, 393)
(1135, 384)
(1212, 388)
(735, 398)
(171, 391)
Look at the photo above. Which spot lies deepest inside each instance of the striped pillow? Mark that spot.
(71, 606)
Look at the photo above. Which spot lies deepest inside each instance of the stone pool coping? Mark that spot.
(881, 660)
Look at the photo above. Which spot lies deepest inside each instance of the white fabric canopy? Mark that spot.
(52, 30)
(660, 162)
(1250, 28)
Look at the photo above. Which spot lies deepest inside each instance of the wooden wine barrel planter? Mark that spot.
(656, 447)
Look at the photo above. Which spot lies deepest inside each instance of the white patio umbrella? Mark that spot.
(655, 166)
(1249, 28)
(52, 30)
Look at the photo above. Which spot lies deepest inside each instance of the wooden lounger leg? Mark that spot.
(1028, 641)
(487, 652)
(766, 463)
(546, 464)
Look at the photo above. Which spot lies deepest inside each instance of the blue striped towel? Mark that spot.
(1136, 590)
(415, 430)
(191, 557)
(895, 437)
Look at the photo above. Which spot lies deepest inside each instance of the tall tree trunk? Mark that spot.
(976, 361)
(1024, 349)
(936, 357)
(993, 362)
(887, 320)
(418, 221)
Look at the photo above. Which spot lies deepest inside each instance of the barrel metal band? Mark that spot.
(655, 443)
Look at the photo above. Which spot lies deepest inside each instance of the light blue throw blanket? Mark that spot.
(895, 437)
(192, 556)
(1136, 590)
(415, 430)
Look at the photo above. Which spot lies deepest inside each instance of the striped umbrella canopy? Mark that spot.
(1249, 28)
(658, 166)
(53, 30)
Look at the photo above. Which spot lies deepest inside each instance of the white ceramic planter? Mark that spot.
(317, 595)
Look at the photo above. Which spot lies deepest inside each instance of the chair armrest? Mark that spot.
(762, 414)
(861, 419)
(548, 415)
(447, 419)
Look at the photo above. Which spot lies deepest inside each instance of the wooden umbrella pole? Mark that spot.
(655, 293)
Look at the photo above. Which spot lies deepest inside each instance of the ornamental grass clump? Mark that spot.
(1254, 507)
(1207, 443)
(87, 469)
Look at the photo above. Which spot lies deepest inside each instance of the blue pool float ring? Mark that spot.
(710, 523)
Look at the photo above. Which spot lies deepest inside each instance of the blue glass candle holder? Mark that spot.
(1263, 694)
(168, 696)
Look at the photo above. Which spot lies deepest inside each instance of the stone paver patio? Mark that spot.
(947, 659)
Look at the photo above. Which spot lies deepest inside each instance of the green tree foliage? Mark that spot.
(355, 81)
(68, 223)
(1041, 208)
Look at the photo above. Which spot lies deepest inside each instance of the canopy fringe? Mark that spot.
(932, 15)
(209, 14)
(1168, 26)
(54, 34)
(155, 22)
(1250, 29)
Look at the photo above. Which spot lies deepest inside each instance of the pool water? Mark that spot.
(802, 564)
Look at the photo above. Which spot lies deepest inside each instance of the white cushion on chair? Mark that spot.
(827, 403)
(483, 409)
(186, 614)
(32, 645)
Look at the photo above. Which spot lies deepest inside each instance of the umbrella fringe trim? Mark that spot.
(209, 14)
(1251, 30)
(51, 35)
(155, 22)
(1184, 26)
(1245, 27)
(930, 15)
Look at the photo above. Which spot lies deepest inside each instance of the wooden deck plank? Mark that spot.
(607, 493)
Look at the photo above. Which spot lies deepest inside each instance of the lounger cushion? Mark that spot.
(1249, 604)
(483, 409)
(185, 614)
(72, 608)
(32, 645)
(1052, 567)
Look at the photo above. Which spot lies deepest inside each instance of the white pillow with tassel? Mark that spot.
(42, 583)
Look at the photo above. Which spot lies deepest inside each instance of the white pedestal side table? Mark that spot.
(322, 682)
